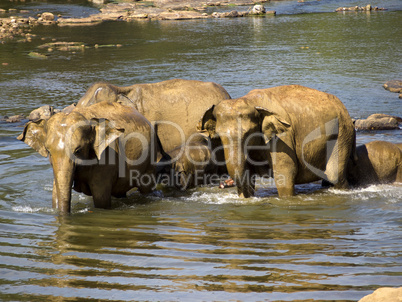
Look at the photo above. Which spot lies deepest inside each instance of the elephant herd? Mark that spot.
(186, 133)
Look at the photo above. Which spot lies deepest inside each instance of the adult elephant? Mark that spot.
(377, 162)
(175, 105)
(302, 134)
(102, 150)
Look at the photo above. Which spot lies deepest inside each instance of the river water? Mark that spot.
(205, 244)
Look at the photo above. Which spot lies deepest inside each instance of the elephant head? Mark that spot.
(69, 140)
(244, 130)
(100, 92)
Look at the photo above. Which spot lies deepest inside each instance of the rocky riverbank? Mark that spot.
(17, 24)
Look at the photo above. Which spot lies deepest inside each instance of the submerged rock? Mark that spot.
(393, 86)
(378, 121)
(13, 119)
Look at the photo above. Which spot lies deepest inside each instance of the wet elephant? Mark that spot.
(195, 163)
(102, 150)
(377, 162)
(175, 105)
(296, 133)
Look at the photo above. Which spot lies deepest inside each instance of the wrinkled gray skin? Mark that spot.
(195, 163)
(175, 105)
(84, 147)
(377, 162)
(291, 129)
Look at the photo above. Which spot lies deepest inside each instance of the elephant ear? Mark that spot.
(34, 136)
(271, 123)
(208, 122)
(126, 101)
(105, 136)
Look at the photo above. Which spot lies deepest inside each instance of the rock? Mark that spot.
(258, 10)
(44, 112)
(79, 21)
(37, 55)
(366, 8)
(63, 46)
(393, 86)
(14, 118)
(181, 15)
(232, 14)
(98, 1)
(384, 294)
(378, 121)
(47, 16)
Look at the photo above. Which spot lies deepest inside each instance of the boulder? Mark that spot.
(47, 16)
(14, 118)
(384, 294)
(393, 86)
(258, 9)
(378, 121)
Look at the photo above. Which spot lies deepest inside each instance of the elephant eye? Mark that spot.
(78, 150)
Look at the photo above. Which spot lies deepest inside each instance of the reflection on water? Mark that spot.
(328, 244)
(206, 244)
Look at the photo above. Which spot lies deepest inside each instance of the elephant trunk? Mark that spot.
(63, 180)
(237, 166)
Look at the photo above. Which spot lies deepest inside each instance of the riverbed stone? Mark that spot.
(384, 294)
(13, 119)
(181, 15)
(366, 8)
(46, 16)
(258, 9)
(378, 121)
(393, 86)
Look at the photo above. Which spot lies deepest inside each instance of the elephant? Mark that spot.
(294, 133)
(377, 162)
(102, 150)
(174, 104)
(195, 163)
(45, 112)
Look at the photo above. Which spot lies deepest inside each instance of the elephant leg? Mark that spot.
(285, 171)
(285, 184)
(147, 182)
(336, 168)
(399, 174)
(246, 183)
(102, 197)
(101, 190)
(55, 201)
